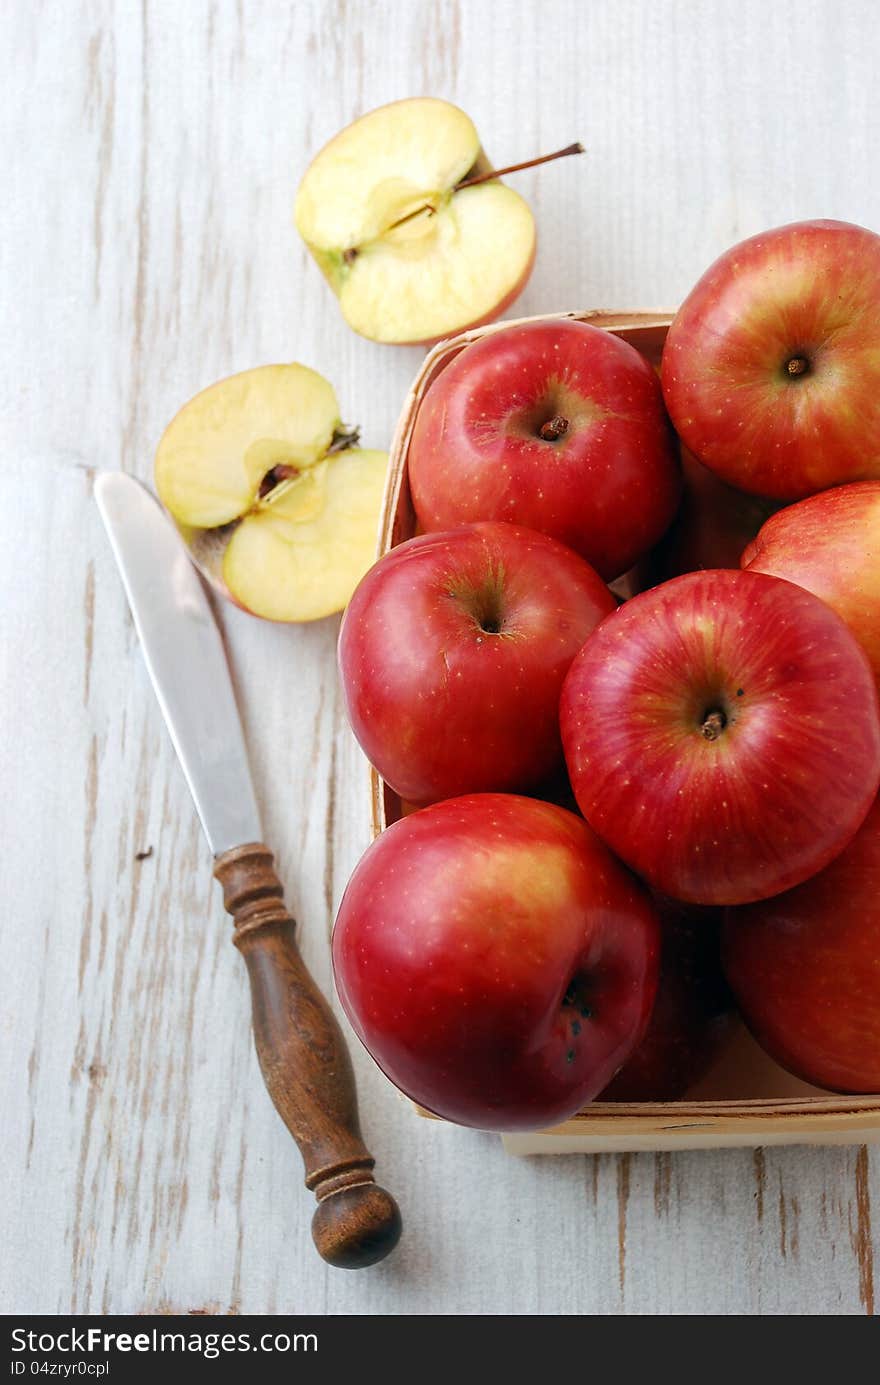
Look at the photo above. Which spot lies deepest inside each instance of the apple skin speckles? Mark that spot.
(452, 655)
(504, 984)
(793, 763)
(811, 291)
(607, 486)
(830, 544)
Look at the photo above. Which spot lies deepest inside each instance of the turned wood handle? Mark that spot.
(306, 1066)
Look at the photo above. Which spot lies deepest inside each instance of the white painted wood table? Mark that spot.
(152, 152)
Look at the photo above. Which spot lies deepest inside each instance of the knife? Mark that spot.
(302, 1052)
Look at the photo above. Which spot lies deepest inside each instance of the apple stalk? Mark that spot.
(488, 177)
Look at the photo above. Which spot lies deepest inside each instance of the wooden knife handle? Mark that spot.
(306, 1066)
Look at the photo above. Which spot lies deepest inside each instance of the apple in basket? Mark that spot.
(771, 368)
(556, 425)
(496, 960)
(692, 1016)
(830, 544)
(452, 654)
(722, 735)
(805, 969)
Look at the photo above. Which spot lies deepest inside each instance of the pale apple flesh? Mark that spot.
(215, 453)
(830, 544)
(805, 969)
(410, 255)
(496, 960)
(722, 735)
(303, 550)
(279, 512)
(771, 367)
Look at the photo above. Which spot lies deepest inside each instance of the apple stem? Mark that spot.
(798, 365)
(344, 438)
(351, 254)
(713, 724)
(555, 427)
(410, 216)
(517, 168)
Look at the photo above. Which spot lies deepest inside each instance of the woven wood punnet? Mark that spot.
(747, 1100)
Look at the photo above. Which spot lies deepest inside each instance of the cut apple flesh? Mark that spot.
(377, 169)
(300, 553)
(277, 506)
(410, 257)
(474, 254)
(216, 453)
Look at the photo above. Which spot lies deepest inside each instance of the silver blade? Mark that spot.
(185, 658)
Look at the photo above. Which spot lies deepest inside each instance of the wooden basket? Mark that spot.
(747, 1100)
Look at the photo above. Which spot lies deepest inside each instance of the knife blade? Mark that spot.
(301, 1049)
(185, 658)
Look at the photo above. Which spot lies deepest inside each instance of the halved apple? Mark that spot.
(411, 255)
(278, 505)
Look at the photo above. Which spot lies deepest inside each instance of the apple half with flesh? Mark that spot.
(411, 255)
(279, 508)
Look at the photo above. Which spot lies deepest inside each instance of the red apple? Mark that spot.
(452, 654)
(830, 544)
(556, 425)
(713, 525)
(495, 960)
(771, 368)
(691, 1019)
(722, 735)
(805, 968)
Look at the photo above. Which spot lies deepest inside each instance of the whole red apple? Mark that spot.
(713, 525)
(830, 544)
(805, 969)
(692, 1014)
(452, 654)
(556, 425)
(771, 368)
(495, 960)
(722, 735)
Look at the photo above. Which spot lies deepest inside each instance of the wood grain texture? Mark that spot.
(146, 250)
